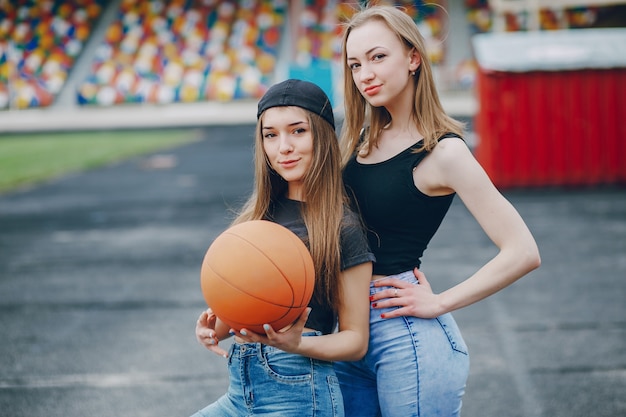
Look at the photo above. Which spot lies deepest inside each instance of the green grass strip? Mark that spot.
(28, 159)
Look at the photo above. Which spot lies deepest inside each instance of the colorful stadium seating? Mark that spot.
(185, 51)
(39, 42)
(167, 51)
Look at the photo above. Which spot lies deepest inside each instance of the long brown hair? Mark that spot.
(428, 113)
(324, 198)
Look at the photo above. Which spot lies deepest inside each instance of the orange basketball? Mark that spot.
(257, 272)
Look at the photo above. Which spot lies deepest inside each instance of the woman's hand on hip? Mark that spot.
(416, 300)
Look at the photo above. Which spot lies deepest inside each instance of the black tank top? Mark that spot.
(400, 220)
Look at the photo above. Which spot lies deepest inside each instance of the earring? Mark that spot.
(412, 72)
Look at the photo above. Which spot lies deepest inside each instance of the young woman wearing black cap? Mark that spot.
(289, 372)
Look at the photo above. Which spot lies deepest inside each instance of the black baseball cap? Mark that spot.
(298, 93)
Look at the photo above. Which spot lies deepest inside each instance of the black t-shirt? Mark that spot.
(400, 220)
(354, 251)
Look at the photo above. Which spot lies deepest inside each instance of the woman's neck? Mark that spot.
(401, 110)
(294, 193)
(406, 131)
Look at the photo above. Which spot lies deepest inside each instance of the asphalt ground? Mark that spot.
(99, 292)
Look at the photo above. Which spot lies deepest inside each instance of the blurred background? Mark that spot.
(99, 284)
(60, 53)
(106, 64)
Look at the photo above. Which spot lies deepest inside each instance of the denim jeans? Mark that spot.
(267, 381)
(413, 367)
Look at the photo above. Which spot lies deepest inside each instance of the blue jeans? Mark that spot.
(267, 381)
(413, 367)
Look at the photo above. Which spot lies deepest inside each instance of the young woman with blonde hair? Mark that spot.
(405, 160)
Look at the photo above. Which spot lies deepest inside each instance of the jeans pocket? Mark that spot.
(286, 367)
(453, 333)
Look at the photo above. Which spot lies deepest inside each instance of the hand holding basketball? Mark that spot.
(255, 273)
(206, 334)
(287, 341)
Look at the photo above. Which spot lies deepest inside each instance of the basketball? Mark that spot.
(257, 272)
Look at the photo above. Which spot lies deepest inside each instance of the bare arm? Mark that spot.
(455, 169)
(349, 343)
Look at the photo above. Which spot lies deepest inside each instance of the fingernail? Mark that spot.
(211, 342)
(231, 332)
(371, 297)
(243, 332)
(382, 316)
(266, 327)
(374, 305)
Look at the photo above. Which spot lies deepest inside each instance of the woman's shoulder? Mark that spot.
(351, 224)
(449, 147)
(350, 218)
(453, 164)
(354, 245)
(449, 135)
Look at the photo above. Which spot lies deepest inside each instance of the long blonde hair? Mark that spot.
(428, 113)
(323, 211)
